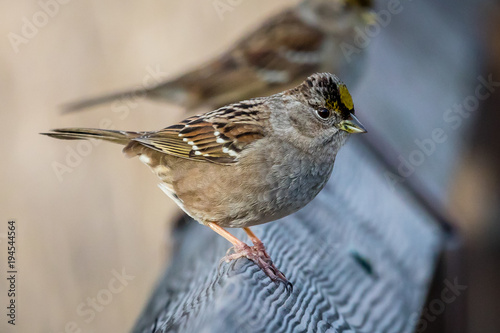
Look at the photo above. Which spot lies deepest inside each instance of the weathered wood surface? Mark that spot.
(360, 256)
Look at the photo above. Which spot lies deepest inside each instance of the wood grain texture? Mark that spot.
(360, 257)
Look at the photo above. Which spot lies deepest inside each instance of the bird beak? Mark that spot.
(351, 125)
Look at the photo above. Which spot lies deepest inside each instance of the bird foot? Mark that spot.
(258, 254)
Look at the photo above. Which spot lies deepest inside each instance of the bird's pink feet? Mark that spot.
(258, 254)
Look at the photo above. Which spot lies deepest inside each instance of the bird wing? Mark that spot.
(283, 44)
(218, 136)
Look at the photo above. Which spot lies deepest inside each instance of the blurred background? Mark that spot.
(94, 229)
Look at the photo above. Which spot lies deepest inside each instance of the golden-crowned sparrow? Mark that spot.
(246, 163)
(278, 55)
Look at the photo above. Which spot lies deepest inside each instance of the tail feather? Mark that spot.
(120, 137)
(87, 103)
(170, 91)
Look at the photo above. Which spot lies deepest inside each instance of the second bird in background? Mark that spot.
(278, 55)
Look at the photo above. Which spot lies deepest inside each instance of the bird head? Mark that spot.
(320, 111)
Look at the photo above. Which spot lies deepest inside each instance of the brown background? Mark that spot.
(107, 213)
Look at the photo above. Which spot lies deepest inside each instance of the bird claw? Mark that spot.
(228, 252)
(261, 258)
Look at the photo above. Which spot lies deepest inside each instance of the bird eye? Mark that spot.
(323, 113)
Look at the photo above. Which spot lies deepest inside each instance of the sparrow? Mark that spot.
(246, 163)
(311, 37)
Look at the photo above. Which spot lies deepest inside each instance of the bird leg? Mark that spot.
(256, 253)
(257, 243)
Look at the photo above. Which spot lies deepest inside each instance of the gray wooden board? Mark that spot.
(360, 256)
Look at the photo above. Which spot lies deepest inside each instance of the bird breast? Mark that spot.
(260, 188)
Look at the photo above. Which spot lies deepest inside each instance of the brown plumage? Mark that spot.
(276, 56)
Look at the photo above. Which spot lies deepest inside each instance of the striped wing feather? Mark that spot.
(218, 136)
(289, 45)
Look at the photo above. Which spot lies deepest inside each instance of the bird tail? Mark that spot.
(91, 102)
(120, 137)
(171, 91)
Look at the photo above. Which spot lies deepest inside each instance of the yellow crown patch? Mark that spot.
(345, 97)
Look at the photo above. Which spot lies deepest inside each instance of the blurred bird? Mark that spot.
(247, 163)
(299, 41)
